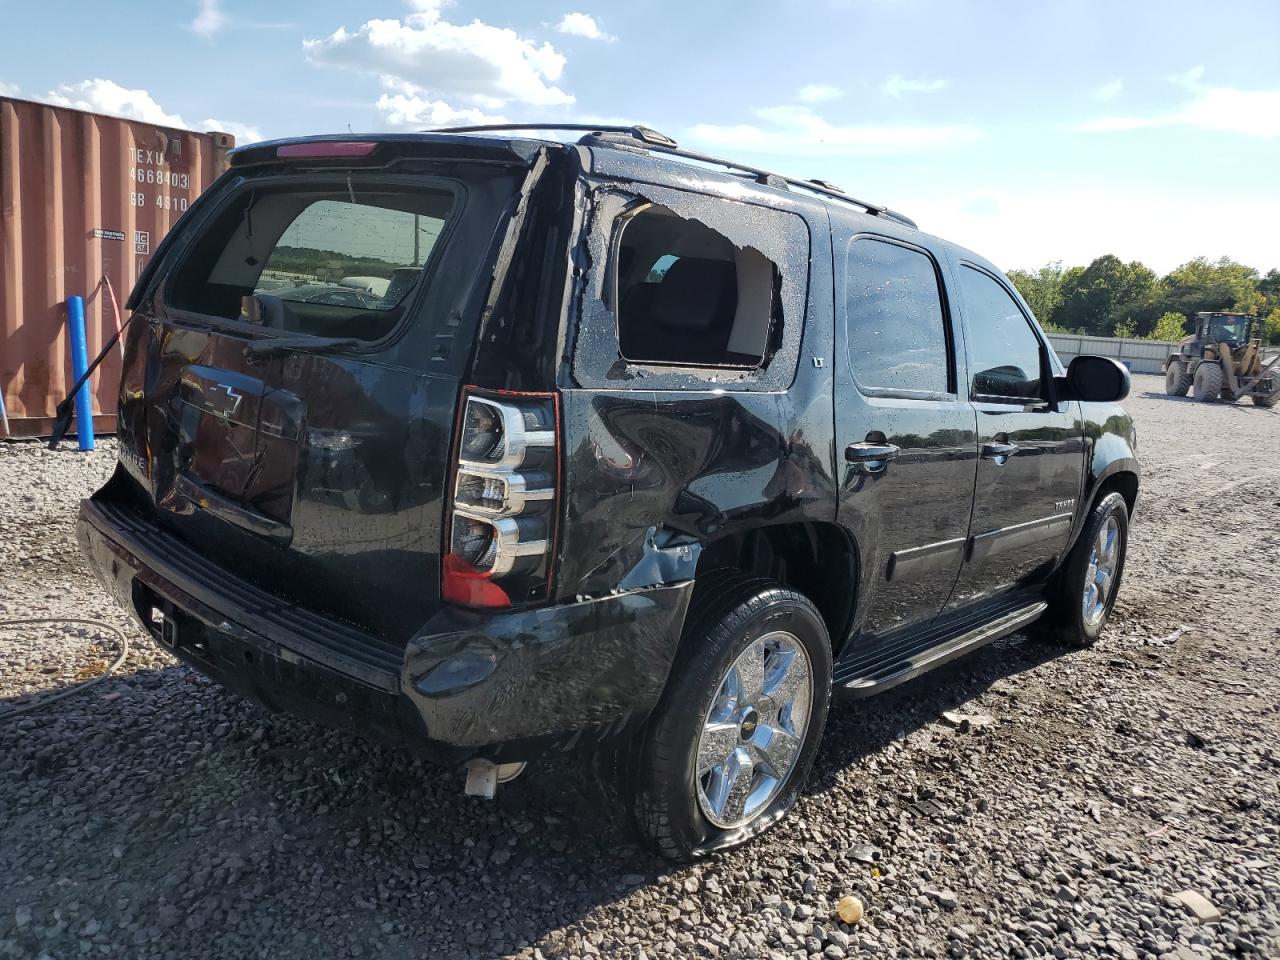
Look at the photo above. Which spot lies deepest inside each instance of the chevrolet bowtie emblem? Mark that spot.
(224, 405)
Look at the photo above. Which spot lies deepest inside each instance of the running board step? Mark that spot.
(865, 673)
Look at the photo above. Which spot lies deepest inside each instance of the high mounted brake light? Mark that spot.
(501, 526)
(326, 149)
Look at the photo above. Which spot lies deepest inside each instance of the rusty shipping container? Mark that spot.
(83, 197)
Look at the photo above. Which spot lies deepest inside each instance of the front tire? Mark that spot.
(1176, 379)
(1087, 588)
(1208, 382)
(726, 751)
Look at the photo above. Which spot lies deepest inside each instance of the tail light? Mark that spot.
(503, 509)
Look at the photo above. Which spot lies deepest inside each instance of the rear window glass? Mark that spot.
(330, 263)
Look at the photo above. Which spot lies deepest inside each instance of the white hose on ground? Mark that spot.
(48, 698)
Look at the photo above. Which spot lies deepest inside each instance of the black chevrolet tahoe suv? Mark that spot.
(618, 447)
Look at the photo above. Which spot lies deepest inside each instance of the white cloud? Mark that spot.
(8, 89)
(1109, 91)
(241, 131)
(818, 92)
(798, 130)
(582, 25)
(107, 96)
(1189, 79)
(1254, 113)
(898, 85)
(411, 110)
(479, 64)
(209, 19)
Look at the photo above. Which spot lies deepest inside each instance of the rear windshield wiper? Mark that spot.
(262, 348)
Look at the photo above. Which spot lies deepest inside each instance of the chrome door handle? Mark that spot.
(871, 457)
(994, 450)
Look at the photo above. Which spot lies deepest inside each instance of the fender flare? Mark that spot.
(1095, 484)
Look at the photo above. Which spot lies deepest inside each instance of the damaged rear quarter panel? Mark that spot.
(656, 458)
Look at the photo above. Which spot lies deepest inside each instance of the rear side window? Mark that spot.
(687, 296)
(1004, 353)
(897, 329)
(338, 263)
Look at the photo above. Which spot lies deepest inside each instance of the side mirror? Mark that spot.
(1095, 380)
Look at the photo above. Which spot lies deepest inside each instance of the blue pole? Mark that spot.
(79, 364)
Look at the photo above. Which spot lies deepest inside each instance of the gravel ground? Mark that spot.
(156, 815)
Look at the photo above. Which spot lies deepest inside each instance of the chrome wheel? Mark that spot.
(753, 731)
(1100, 579)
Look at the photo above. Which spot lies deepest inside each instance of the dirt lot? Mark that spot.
(155, 815)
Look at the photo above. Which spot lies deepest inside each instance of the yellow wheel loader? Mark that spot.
(1223, 360)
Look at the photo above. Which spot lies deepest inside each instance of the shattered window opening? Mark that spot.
(592, 340)
(685, 295)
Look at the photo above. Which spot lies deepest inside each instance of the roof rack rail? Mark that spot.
(635, 131)
(658, 142)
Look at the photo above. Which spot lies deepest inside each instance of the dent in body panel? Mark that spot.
(693, 466)
(337, 459)
(369, 484)
(670, 452)
(589, 668)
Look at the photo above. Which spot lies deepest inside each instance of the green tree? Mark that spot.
(1269, 287)
(1042, 290)
(1105, 293)
(1271, 327)
(1201, 284)
(1170, 326)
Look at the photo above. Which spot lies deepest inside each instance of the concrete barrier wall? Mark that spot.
(1142, 356)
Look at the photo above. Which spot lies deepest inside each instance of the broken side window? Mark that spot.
(684, 290)
(685, 295)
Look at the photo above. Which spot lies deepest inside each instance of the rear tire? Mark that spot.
(689, 801)
(1176, 379)
(1208, 382)
(1077, 614)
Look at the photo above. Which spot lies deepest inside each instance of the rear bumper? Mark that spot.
(500, 686)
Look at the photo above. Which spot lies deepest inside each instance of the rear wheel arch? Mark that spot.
(817, 559)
